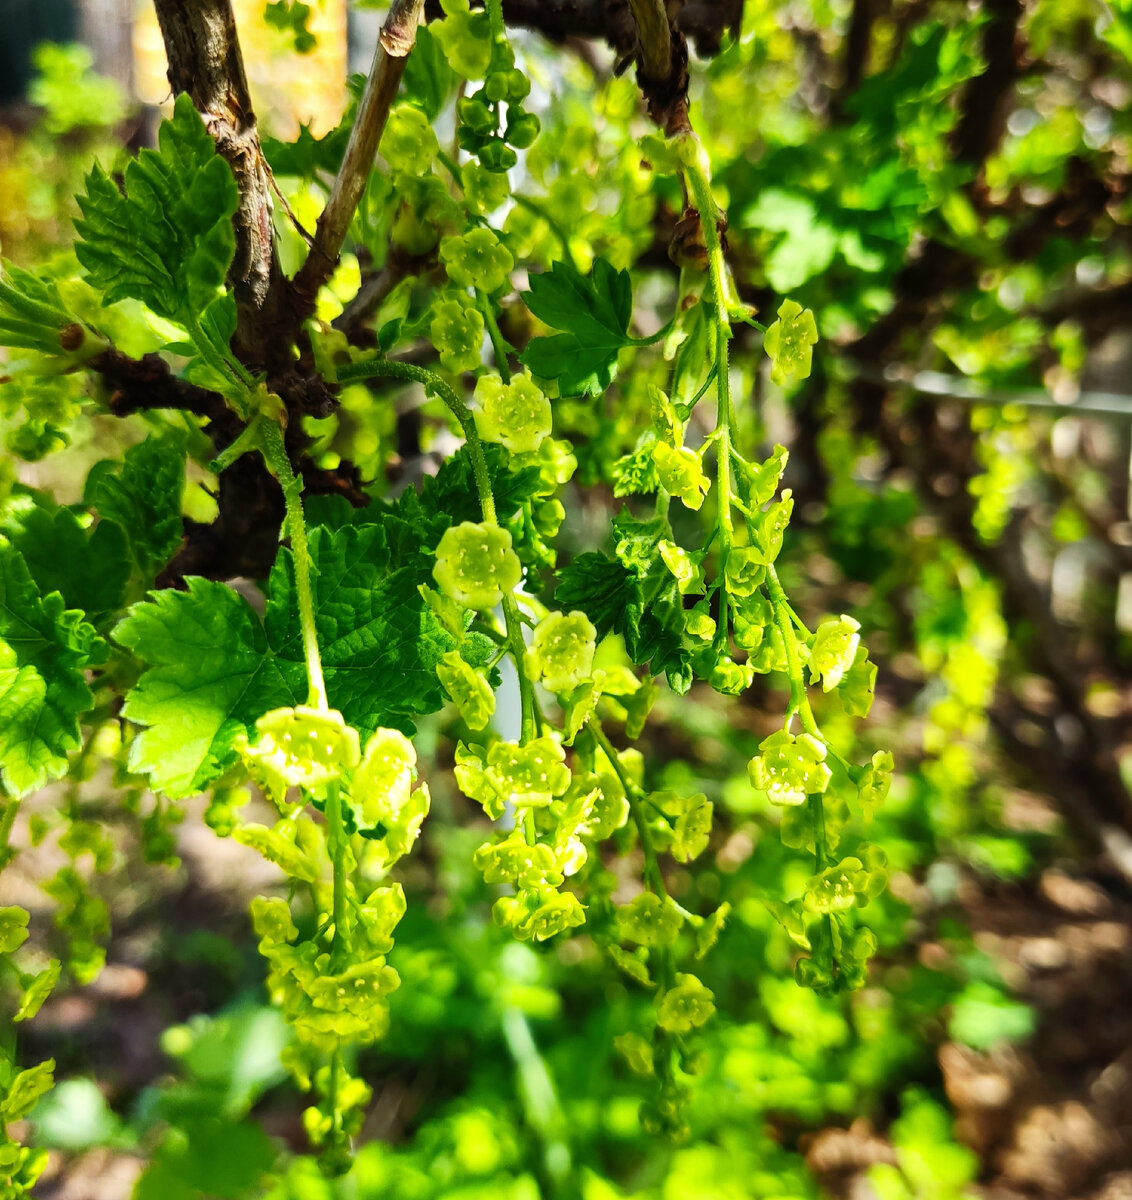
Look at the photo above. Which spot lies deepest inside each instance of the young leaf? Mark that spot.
(31, 312)
(215, 668)
(144, 498)
(27, 758)
(89, 567)
(637, 597)
(428, 80)
(211, 675)
(379, 640)
(168, 241)
(594, 312)
(43, 649)
(598, 586)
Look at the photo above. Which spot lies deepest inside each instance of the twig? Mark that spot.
(662, 66)
(655, 38)
(1114, 405)
(375, 288)
(396, 40)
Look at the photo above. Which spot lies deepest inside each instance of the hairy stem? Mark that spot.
(396, 40)
(339, 945)
(495, 17)
(387, 368)
(697, 176)
(275, 455)
(653, 876)
(799, 701)
(498, 346)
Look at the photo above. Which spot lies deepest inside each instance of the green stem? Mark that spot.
(498, 345)
(250, 439)
(541, 1105)
(555, 228)
(339, 946)
(220, 360)
(489, 631)
(275, 455)
(697, 176)
(817, 815)
(495, 19)
(339, 943)
(799, 623)
(799, 701)
(653, 876)
(450, 166)
(390, 369)
(518, 655)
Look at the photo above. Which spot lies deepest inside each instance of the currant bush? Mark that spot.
(473, 568)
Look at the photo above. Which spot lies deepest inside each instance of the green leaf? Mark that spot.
(75, 1116)
(25, 1089)
(452, 491)
(429, 81)
(31, 312)
(1118, 30)
(144, 498)
(308, 155)
(221, 1158)
(13, 928)
(27, 759)
(50, 403)
(211, 675)
(597, 585)
(168, 241)
(37, 990)
(594, 312)
(43, 649)
(982, 1016)
(808, 245)
(637, 597)
(89, 567)
(291, 16)
(416, 521)
(380, 642)
(215, 667)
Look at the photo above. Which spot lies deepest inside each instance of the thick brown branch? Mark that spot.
(205, 61)
(397, 37)
(654, 36)
(980, 125)
(662, 66)
(611, 21)
(137, 384)
(857, 44)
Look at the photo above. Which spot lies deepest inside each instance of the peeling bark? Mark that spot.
(205, 61)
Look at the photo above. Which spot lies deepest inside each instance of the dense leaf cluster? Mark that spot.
(534, 566)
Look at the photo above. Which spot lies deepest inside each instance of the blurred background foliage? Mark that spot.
(947, 187)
